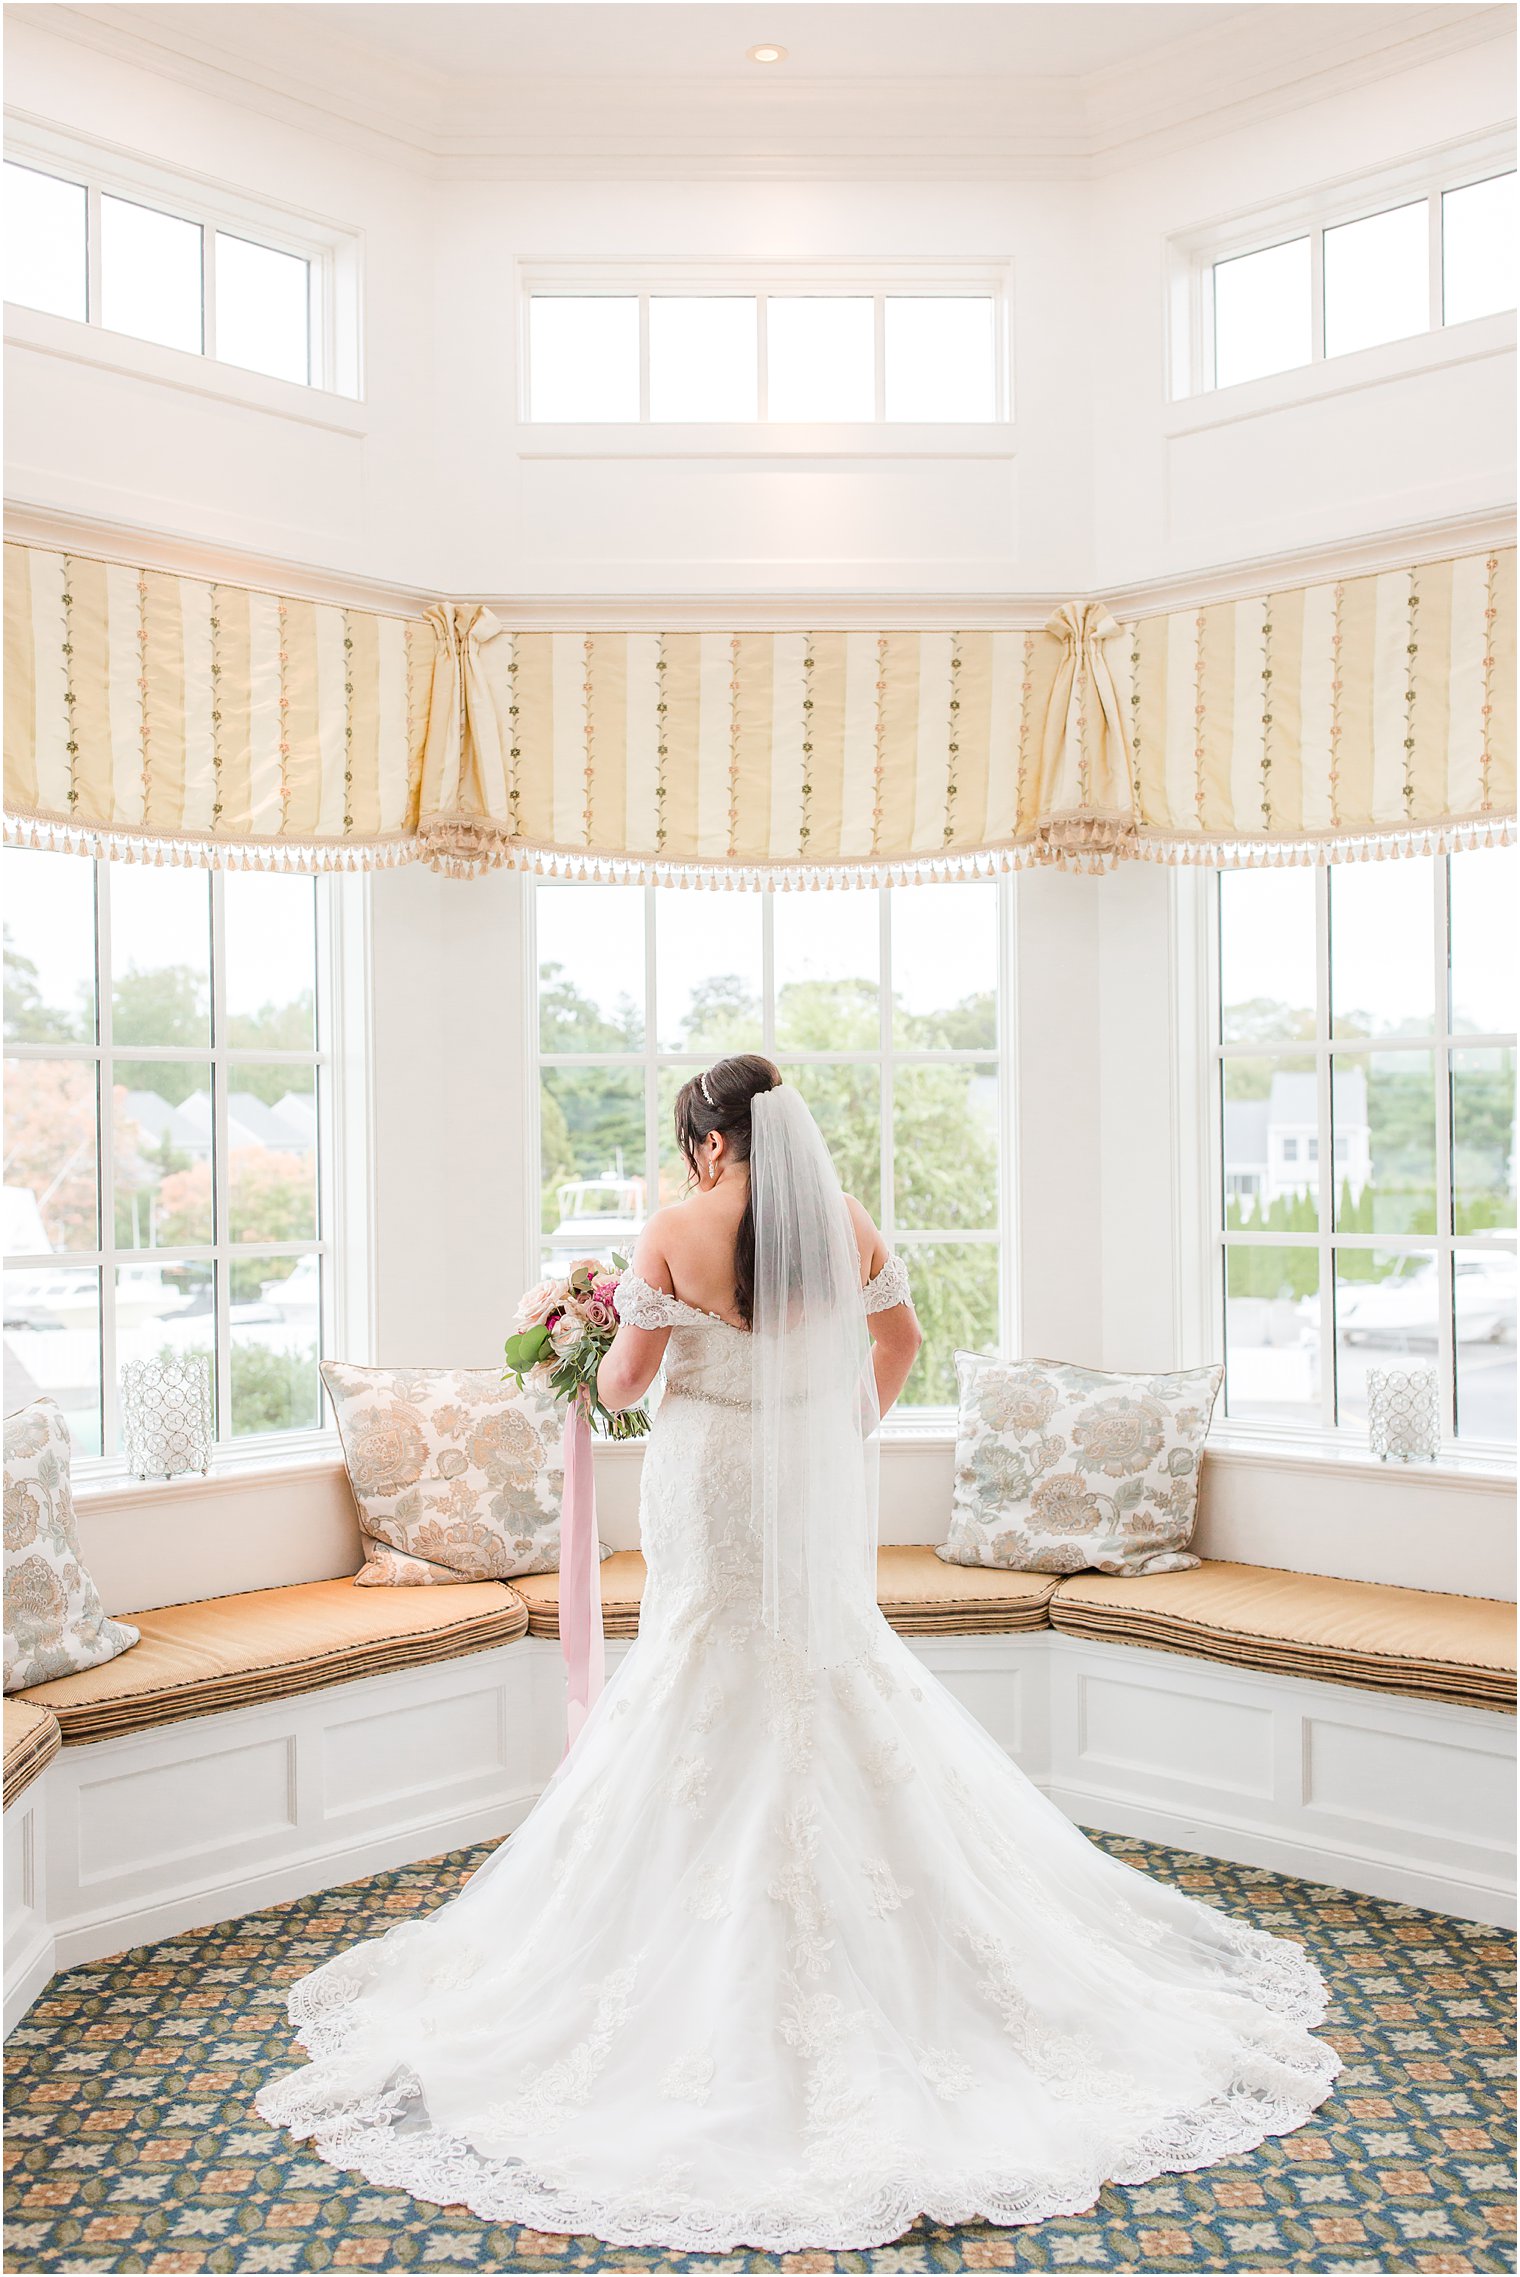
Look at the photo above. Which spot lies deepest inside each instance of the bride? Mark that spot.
(789, 1953)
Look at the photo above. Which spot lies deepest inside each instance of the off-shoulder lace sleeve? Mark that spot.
(642, 1306)
(888, 1287)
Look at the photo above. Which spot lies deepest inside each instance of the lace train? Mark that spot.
(1258, 2101)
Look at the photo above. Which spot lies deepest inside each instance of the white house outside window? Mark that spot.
(1366, 1025)
(881, 1006)
(166, 1153)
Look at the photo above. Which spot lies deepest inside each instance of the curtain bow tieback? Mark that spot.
(1087, 817)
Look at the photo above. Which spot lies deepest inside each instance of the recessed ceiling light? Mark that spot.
(766, 53)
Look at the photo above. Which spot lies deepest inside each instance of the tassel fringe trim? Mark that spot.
(463, 847)
(50, 834)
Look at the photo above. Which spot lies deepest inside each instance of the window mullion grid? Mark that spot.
(1009, 1320)
(1317, 295)
(1436, 252)
(221, 1284)
(321, 299)
(532, 1135)
(644, 358)
(92, 274)
(1324, 1069)
(1445, 1200)
(333, 1203)
(1205, 337)
(208, 289)
(884, 992)
(768, 974)
(651, 1057)
(110, 1403)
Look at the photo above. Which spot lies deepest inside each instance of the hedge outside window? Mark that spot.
(164, 1111)
(1366, 1181)
(882, 1006)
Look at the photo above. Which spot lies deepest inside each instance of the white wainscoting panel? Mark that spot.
(1401, 1798)
(29, 1944)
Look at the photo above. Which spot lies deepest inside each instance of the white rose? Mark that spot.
(566, 1334)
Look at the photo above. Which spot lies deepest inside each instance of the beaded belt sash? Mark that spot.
(712, 1399)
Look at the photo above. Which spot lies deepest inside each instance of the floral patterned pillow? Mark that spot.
(1060, 1468)
(55, 1624)
(456, 1474)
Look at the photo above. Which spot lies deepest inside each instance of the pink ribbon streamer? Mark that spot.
(580, 1577)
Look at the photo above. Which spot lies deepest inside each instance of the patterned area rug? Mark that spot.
(132, 2144)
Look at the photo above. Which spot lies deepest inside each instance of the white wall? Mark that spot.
(447, 1057)
(430, 482)
(607, 523)
(441, 487)
(160, 454)
(1378, 440)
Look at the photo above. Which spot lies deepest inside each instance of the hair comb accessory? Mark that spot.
(707, 1095)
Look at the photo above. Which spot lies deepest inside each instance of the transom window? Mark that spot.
(881, 1006)
(1366, 1165)
(1404, 265)
(797, 355)
(166, 1113)
(156, 270)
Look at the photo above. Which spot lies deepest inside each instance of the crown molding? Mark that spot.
(989, 127)
(183, 555)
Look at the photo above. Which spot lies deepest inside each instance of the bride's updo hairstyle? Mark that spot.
(719, 1100)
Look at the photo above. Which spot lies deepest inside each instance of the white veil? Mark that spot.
(815, 1416)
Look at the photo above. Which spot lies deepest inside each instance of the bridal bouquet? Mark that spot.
(562, 1329)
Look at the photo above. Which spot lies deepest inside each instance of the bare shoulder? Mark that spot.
(873, 1250)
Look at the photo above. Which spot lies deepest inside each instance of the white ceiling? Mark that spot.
(870, 88)
(901, 38)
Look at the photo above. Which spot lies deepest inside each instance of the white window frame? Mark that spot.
(332, 252)
(1192, 255)
(343, 1238)
(1348, 1437)
(919, 1422)
(878, 281)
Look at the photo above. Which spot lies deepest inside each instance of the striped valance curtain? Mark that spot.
(1364, 715)
(165, 717)
(170, 717)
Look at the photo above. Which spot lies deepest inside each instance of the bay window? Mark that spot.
(881, 1005)
(1365, 1169)
(167, 1149)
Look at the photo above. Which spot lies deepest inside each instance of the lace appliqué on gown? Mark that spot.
(826, 1913)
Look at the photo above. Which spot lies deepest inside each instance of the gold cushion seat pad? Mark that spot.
(1367, 1633)
(920, 1595)
(32, 1739)
(265, 1644)
(623, 1576)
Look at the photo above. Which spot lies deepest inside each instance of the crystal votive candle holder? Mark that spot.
(1403, 1414)
(166, 1416)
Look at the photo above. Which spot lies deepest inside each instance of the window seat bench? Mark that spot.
(258, 1747)
(1417, 1642)
(920, 1595)
(268, 1644)
(32, 1739)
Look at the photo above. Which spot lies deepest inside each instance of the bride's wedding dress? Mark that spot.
(788, 1957)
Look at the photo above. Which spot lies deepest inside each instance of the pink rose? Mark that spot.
(539, 1304)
